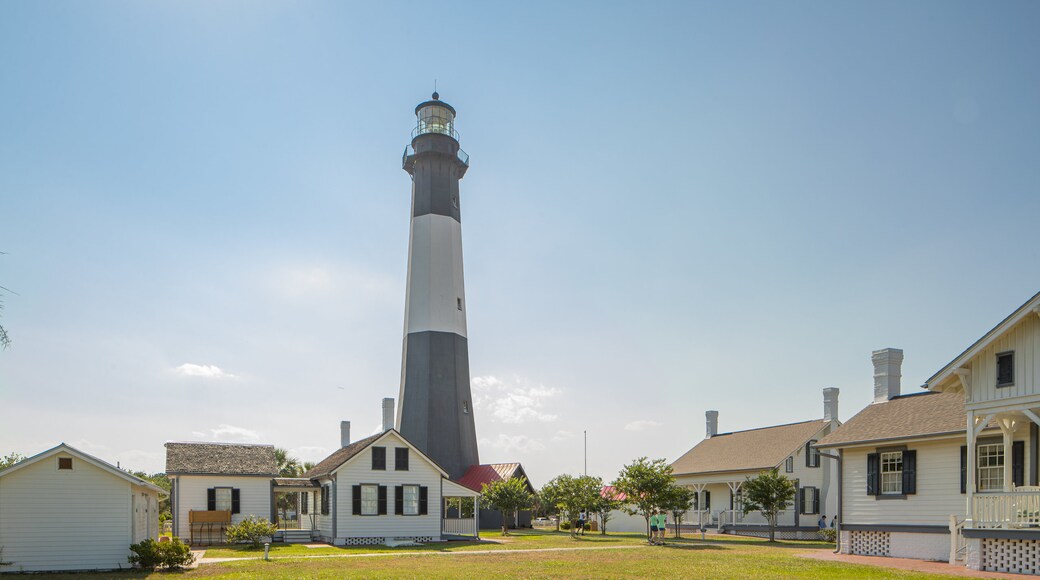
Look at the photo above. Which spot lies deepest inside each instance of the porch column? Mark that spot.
(476, 515)
(1006, 426)
(969, 476)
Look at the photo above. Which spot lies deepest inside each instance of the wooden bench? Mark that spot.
(204, 525)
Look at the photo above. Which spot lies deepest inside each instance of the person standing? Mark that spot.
(823, 522)
(653, 527)
(581, 522)
(662, 526)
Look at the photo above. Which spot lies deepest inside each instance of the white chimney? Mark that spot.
(830, 404)
(712, 419)
(887, 364)
(388, 413)
(344, 433)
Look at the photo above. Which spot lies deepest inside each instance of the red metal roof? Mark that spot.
(477, 475)
(611, 492)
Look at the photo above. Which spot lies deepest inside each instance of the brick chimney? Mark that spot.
(830, 404)
(712, 420)
(388, 413)
(887, 372)
(344, 433)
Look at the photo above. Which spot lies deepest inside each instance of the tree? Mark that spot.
(645, 484)
(506, 496)
(605, 503)
(769, 493)
(162, 481)
(678, 500)
(10, 459)
(550, 496)
(288, 466)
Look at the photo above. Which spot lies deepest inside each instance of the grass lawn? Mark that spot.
(624, 556)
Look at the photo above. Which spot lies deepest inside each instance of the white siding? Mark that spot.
(938, 488)
(359, 470)
(1024, 340)
(64, 520)
(934, 547)
(254, 497)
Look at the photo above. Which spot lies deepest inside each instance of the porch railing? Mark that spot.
(459, 526)
(289, 524)
(733, 517)
(1010, 509)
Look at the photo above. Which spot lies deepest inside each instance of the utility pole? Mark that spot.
(586, 433)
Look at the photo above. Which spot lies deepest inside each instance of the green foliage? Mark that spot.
(678, 500)
(769, 493)
(165, 516)
(251, 530)
(162, 481)
(602, 506)
(507, 496)
(550, 496)
(288, 466)
(646, 485)
(571, 495)
(565, 525)
(10, 459)
(150, 554)
(829, 534)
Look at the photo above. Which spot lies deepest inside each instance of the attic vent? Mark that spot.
(64, 463)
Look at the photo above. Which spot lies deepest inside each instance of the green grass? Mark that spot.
(715, 558)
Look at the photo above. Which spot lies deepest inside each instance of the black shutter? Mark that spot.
(873, 474)
(798, 503)
(1018, 462)
(424, 500)
(401, 459)
(808, 454)
(325, 503)
(379, 458)
(815, 500)
(303, 502)
(211, 499)
(964, 469)
(355, 491)
(732, 496)
(235, 503)
(399, 500)
(909, 472)
(382, 500)
(707, 500)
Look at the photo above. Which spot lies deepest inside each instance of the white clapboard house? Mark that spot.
(717, 467)
(951, 473)
(64, 510)
(380, 489)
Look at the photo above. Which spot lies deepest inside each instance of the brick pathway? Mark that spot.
(907, 564)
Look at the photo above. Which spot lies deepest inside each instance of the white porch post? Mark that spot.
(1006, 426)
(969, 476)
(476, 515)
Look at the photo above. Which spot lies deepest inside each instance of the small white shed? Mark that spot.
(65, 510)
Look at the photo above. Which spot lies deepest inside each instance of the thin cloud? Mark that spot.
(230, 434)
(518, 443)
(642, 425)
(206, 371)
(515, 401)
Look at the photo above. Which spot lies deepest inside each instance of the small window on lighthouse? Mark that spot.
(458, 301)
(465, 407)
(455, 201)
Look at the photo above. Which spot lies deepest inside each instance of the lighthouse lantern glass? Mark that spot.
(436, 119)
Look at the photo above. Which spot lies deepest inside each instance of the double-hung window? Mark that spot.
(411, 500)
(369, 500)
(789, 465)
(223, 495)
(892, 473)
(991, 467)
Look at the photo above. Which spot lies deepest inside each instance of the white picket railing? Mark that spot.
(1009, 509)
(459, 526)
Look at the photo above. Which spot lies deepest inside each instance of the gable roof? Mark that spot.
(477, 475)
(917, 415)
(103, 465)
(1030, 308)
(189, 458)
(344, 454)
(763, 448)
(611, 492)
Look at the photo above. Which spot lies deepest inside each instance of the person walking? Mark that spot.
(653, 527)
(581, 522)
(662, 526)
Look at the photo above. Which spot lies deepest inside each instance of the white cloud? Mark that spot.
(515, 401)
(562, 435)
(207, 371)
(230, 433)
(519, 443)
(310, 453)
(642, 425)
(324, 281)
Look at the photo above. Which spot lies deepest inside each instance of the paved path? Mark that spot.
(204, 560)
(906, 564)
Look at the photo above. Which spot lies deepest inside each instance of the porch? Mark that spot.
(294, 499)
(1003, 491)
(460, 513)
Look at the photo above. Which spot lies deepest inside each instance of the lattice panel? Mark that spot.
(1016, 556)
(380, 541)
(869, 543)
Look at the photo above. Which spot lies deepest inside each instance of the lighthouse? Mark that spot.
(436, 407)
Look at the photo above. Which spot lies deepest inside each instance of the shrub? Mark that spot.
(150, 554)
(565, 525)
(251, 530)
(165, 516)
(829, 534)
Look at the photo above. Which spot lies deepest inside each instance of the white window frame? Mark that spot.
(789, 465)
(990, 464)
(890, 469)
(411, 504)
(369, 505)
(220, 500)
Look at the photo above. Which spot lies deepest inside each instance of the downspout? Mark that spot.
(837, 526)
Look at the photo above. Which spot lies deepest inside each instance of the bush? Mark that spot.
(565, 525)
(150, 554)
(251, 530)
(829, 535)
(165, 516)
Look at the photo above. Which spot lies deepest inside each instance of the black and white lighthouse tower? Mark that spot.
(436, 408)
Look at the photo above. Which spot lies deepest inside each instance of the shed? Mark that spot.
(64, 510)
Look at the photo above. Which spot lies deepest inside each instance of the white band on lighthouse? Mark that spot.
(436, 299)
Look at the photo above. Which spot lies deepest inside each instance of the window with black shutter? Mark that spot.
(236, 504)
(326, 491)
(211, 499)
(812, 456)
(909, 472)
(401, 459)
(810, 500)
(399, 500)
(379, 458)
(873, 473)
(789, 465)
(1006, 369)
(355, 497)
(382, 500)
(424, 500)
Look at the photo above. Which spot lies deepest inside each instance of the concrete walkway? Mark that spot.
(204, 560)
(906, 564)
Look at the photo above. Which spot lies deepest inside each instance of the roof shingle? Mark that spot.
(340, 456)
(763, 448)
(916, 415)
(220, 458)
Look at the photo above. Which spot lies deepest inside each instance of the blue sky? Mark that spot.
(672, 207)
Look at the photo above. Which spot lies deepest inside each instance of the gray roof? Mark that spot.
(754, 449)
(918, 415)
(340, 456)
(220, 459)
